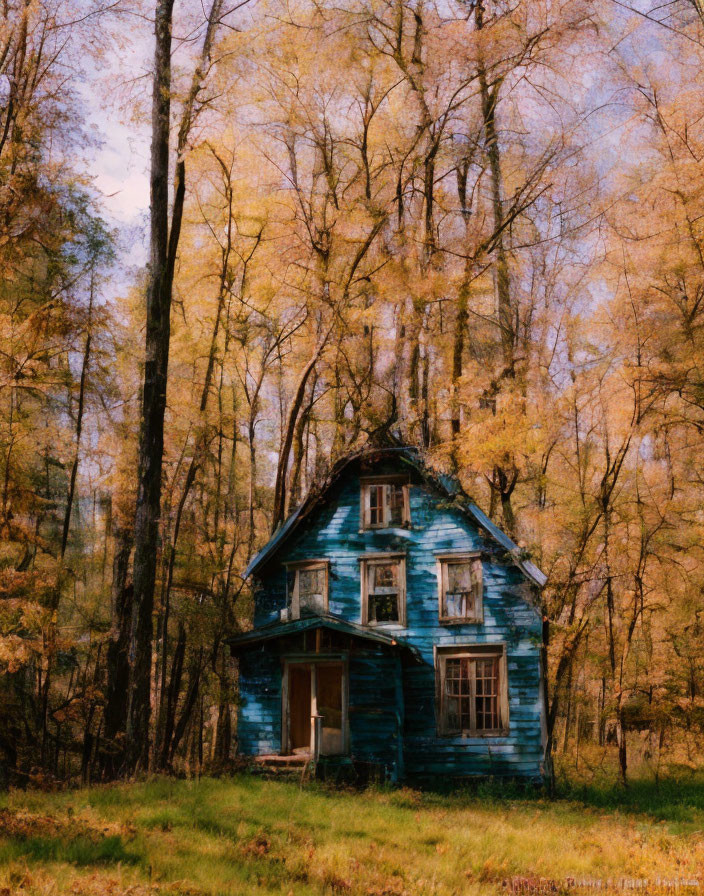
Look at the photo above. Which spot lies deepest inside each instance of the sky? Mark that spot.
(118, 154)
(115, 91)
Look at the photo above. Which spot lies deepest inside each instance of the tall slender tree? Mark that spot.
(164, 241)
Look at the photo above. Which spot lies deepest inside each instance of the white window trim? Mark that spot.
(308, 564)
(442, 561)
(378, 559)
(364, 508)
(471, 651)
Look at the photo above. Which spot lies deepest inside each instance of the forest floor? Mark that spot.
(248, 835)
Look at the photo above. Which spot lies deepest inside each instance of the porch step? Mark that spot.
(275, 764)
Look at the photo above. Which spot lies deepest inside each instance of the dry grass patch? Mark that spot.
(245, 835)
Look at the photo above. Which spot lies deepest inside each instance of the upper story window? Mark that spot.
(309, 594)
(472, 688)
(385, 503)
(383, 589)
(460, 588)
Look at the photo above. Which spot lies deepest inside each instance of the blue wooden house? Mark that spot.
(396, 628)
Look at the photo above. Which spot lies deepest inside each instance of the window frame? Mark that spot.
(442, 562)
(471, 652)
(366, 483)
(303, 565)
(381, 559)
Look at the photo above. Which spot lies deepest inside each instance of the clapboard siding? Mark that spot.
(259, 718)
(376, 720)
(408, 693)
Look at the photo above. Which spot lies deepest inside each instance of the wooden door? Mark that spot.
(329, 682)
(299, 706)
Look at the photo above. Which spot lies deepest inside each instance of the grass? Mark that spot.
(248, 835)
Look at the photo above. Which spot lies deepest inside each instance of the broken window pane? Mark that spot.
(383, 591)
(383, 608)
(311, 589)
(376, 505)
(385, 505)
(395, 499)
(385, 576)
(463, 589)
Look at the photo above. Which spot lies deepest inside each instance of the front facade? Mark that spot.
(394, 628)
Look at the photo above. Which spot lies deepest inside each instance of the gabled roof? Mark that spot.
(447, 485)
(333, 623)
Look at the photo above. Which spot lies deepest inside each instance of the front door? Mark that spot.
(299, 689)
(316, 694)
(329, 693)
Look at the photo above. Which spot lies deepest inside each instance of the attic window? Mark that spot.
(460, 588)
(472, 691)
(385, 503)
(309, 594)
(383, 589)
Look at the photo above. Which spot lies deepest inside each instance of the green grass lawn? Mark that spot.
(254, 836)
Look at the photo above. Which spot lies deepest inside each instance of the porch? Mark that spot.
(321, 691)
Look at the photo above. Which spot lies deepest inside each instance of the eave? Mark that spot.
(276, 630)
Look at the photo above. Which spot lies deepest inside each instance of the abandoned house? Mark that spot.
(396, 628)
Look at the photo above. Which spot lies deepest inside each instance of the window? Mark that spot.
(383, 589)
(385, 504)
(472, 691)
(460, 588)
(309, 594)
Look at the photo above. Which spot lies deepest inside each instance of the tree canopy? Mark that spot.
(473, 223)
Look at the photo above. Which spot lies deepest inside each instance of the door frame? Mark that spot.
(312, 662)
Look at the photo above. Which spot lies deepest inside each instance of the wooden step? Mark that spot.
(274, 761)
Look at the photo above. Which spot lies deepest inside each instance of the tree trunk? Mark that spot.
(79, 428)
(489, 98)
(294, 492)
(602, 712)
(190, 477)
(462, 314)
(151, 448)
(457, 363)
(201, 441)
(88, 738)
(172, 696)
(163, 248)
(252, 483)
(117, 663)
(50, 638)
(622, 746)
(280, 489)
(188, 705)
(568, 712)
(223, 732)
(548, 766)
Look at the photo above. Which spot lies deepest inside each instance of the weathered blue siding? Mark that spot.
(333, 532)
(376, 711)
(259, 717)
